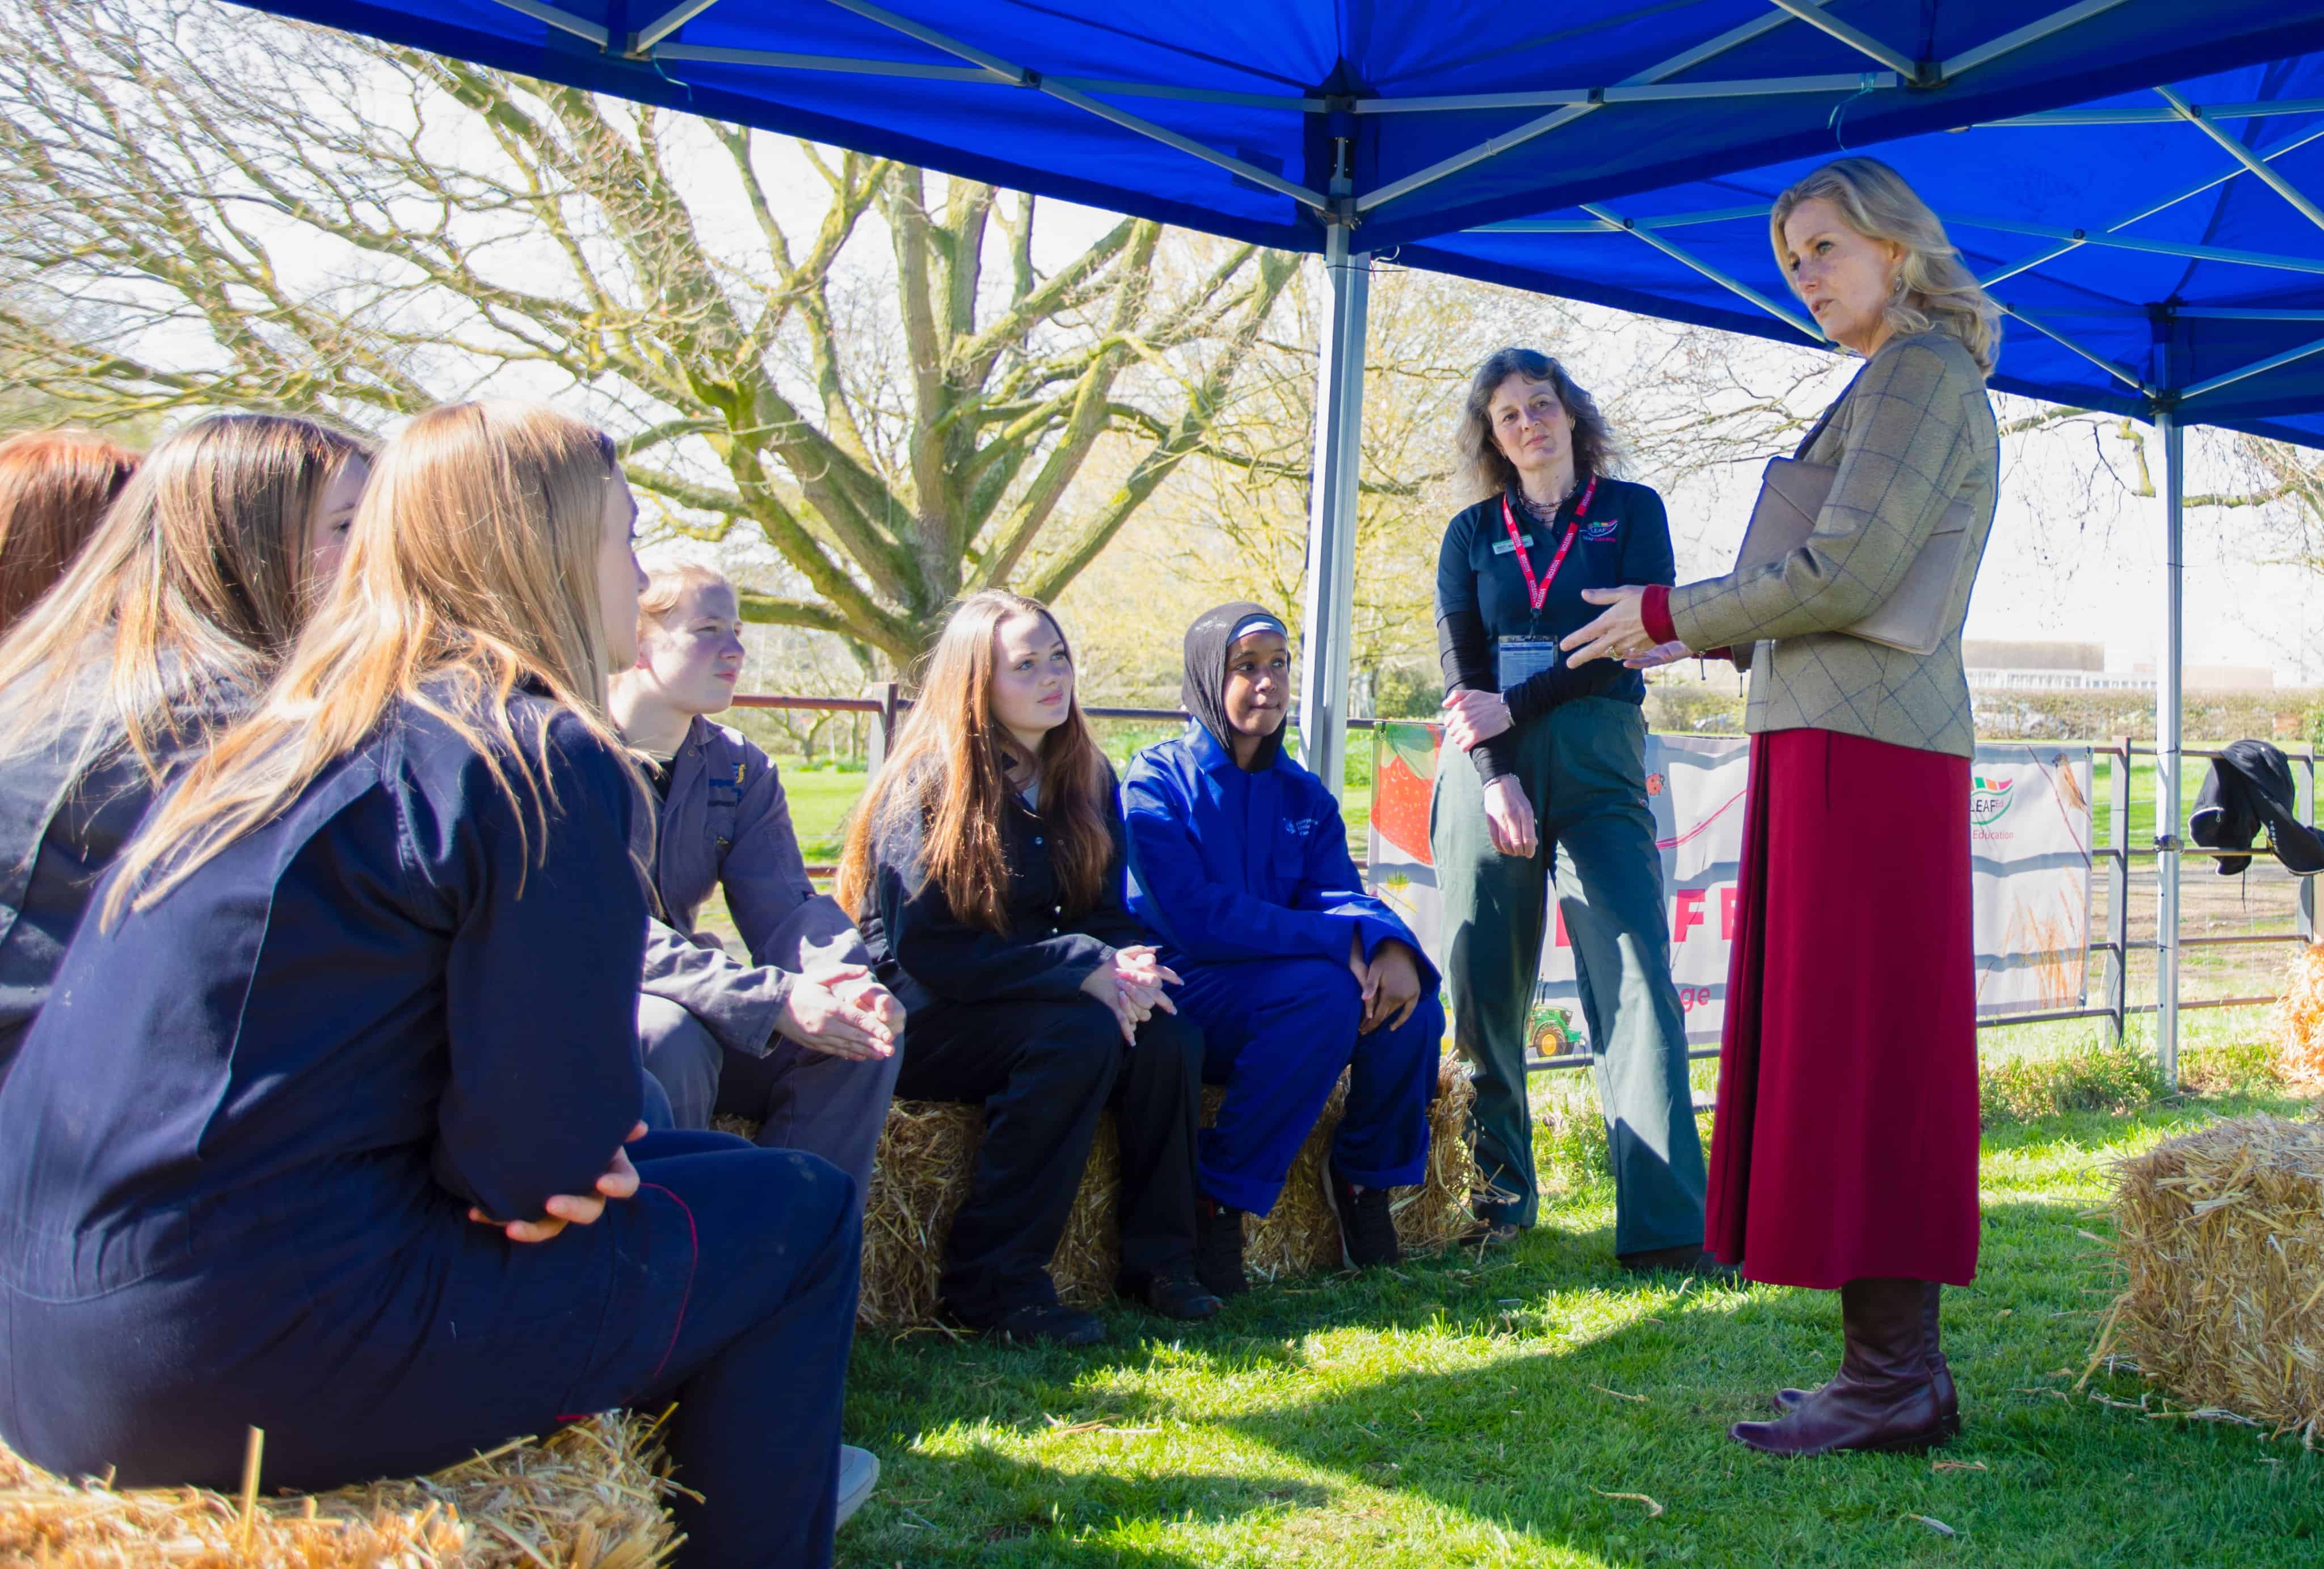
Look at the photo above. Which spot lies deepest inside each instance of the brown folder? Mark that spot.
(1918, 613)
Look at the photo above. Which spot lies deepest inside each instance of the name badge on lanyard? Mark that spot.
(1515, 659)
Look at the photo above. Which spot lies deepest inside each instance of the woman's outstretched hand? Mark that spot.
(1471, 717)
(1508, 817)
(1662, 654)
(1618, 634)
(619, 1181)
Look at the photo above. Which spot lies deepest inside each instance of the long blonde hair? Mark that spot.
(1938, 291)
(471, 567)
(193, 584)
(948, 766)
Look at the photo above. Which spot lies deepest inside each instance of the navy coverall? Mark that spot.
(1245, 880)
(999, 1020)
(238, 1149)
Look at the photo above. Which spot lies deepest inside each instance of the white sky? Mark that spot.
(2069, 559)
(2072, 556)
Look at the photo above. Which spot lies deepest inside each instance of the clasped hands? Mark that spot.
(840, 1012)
(1131, 986)
(1391, 983)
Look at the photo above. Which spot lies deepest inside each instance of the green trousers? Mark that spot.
(1582, 765)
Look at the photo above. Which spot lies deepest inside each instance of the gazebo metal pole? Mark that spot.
(2169, 664)
(1330, 598)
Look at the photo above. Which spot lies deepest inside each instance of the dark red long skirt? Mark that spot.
(1847, 1135)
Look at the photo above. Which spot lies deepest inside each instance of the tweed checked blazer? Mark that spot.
(1912, 433)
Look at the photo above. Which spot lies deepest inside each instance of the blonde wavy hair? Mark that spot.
(471, 569)
(668, 586)
(1939, 292)
(194, 584)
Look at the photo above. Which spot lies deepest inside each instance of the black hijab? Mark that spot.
(1204, 690)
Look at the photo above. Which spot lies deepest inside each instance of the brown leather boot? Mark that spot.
(1948, 1398)
(1885, 1396)
(1940, 1371)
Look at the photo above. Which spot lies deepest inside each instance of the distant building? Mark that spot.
(2219, 677)
(1984, 654)
(2060, 666)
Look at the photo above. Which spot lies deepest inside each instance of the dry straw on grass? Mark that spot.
(2300, 1021)
(589, 1497)
(927, 1150)
(2222, 1239)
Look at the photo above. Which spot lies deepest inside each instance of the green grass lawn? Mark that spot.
(1523, 1408)
(821, 798)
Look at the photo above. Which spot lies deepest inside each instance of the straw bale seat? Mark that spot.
(588, 1497)
(2221, 1241)
(2300, 1021)
(927, 1150)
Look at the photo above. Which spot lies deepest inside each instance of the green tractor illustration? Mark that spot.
(1550, 1031)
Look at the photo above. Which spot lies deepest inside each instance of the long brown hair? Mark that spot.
(193, 585)
(471, 566)
(949, 765)
(1485, 471)
(54, 486)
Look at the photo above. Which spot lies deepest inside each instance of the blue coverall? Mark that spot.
(1245, 883)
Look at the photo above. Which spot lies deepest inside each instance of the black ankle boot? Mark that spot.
(1218, 1248)
(1173, 1293)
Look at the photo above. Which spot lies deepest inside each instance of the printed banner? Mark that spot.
(2030, 838)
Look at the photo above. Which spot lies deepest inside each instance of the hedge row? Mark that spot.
(2287, 715)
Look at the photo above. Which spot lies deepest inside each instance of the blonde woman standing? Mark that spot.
(326, 1129)
(1844, 1149)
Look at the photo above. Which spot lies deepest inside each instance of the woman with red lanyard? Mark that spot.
(1543, 781)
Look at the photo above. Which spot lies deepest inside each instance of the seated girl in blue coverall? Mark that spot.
(1241, 869)
(322, 1129)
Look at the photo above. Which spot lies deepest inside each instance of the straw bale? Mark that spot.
(2221, 1244)
(2300, 1021)
(927, 1151)
(588, 1497)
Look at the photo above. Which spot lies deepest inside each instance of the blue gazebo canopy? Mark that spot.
(2156, 250)
(1227, 116)
(2129, 176)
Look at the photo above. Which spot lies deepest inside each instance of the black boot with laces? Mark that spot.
(1367, 1227)
(1218, 1248)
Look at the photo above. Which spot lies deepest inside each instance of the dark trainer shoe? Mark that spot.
(1174, 1294)
(1218, 1250)
(1687, 1258)
(1367, 1226)
(1049, 1323)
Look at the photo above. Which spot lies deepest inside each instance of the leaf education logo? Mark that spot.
(1989, 800)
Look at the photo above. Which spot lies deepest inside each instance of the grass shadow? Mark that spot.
(1497, 1408)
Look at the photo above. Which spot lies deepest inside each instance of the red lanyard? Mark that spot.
(1539, 591)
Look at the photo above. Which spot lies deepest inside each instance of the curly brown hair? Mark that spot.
(1483, 472)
